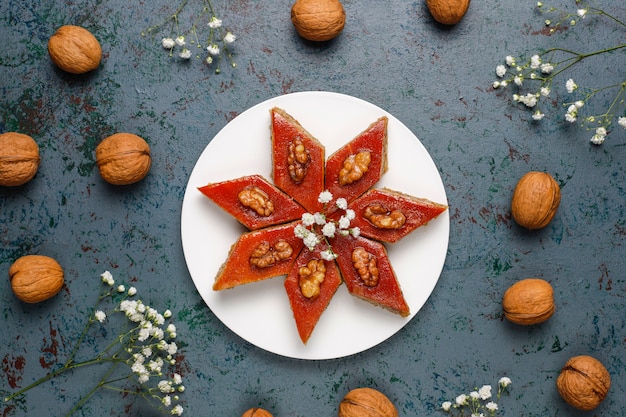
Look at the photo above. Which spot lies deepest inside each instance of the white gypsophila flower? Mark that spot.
(355, 232)
(320, 219)
(350, 215)
(446, 405)
(598, 138)
(538, 115)
(168, 43)
(547, 68)
(167, 313)
(171, 328)
(213, 49)
(177, 379)
(622, 122)
(107, 278)
(461, 399)
(307, 219)
(143, 335)
(146, 351)
(570, 85)
(535, 61)
(329, 230)
(328, 255)
(157, 333)
(132, 291)
(344, 222)
(311, 241)
(477, 415)
(100, 316)
(491, 406)
(185, 54)
(342, 203)
(172, 348)
(177, 410)
(180, 40)
(121, 288)
(474, 395)
(141, 307)
(166, 401)
(581, 13)
(209, 59)
(154, 366)
(143, 378)
(579, 104)
(485, 392)
(496, 84)
(229, 38)
(504, 382)
(510, 61)
(165, 386)
(325, 197)
(215, 23)
(544, 91)
(500, 71)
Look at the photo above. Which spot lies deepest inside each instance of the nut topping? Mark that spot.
(298, 159)
(257, 200)
(380, 217)
(311, 277)
(365, 264)
(354, 167)
(264, 255)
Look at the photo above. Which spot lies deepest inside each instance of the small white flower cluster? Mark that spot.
(317, 222)
(544, 67)
(149, 345)
(216, 43)
(479, 401)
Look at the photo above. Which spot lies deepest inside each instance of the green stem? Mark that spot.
(99, 385)
(577, 57)
(67, 367)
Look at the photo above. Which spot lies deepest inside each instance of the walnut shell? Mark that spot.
(529, 301)
(448, 12)
(123, 158)
(36, 278)
(19, 159)
(535, 200)
(583, 382)
(256, 412)
(366, 402)
(74, 49)
(318, 20)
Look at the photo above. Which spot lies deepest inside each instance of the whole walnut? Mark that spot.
(74, 49)
(318, 20)
(256, 412)
(529, 301)
(584, 382)
(448, 12)
(535, 200)
(36, 278)
(366, 402)
(123, 158)
(19, 159)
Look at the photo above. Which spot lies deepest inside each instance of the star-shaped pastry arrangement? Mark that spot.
(320, 222)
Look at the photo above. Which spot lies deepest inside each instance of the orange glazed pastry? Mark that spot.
(388, 215)
(310, 286)
(368, 274)
(298, 160)
(359, 164)
(259, 255)
(253, 201)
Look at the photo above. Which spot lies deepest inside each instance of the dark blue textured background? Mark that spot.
(436, 80)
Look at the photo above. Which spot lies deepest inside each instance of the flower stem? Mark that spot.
(86, 397)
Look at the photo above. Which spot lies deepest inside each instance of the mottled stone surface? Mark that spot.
(436, 80)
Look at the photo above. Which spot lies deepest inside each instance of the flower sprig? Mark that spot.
(542, 68)
(478, 402)
(317, 228)
(206, 34)
(143, 351)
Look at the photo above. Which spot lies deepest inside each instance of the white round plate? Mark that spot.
(260, 312)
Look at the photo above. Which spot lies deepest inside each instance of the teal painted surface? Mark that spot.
(435, 80)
